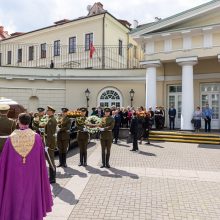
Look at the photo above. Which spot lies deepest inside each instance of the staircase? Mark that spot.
(184, 137)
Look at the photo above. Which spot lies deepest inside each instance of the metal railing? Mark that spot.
(108, 57)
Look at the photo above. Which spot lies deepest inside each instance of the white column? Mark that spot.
(218, 57)
(187, 91)
(151, 82)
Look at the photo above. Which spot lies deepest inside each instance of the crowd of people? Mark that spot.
(25, 142)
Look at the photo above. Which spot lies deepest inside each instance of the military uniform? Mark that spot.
(50, 139)
(82, 138)
(7, 126)
(106, 138)
(36, 121)
(63, 138)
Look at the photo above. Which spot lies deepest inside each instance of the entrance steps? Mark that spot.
(185, 137)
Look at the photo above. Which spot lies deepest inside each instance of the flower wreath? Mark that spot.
(92, 124)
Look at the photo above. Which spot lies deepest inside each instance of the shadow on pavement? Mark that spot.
(147, 154)
(116, 173)
(64, 194)
(123, 145)
(70, 172)
(154, 145)
(209, 146)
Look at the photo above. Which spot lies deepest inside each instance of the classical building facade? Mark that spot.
(98, 40)
(182, 62)
(93, 52)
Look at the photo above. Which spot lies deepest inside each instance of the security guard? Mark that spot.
(82, 137)
(63, 137)
(37, 118)
(106, 136)
(50, 130)
(7, 126)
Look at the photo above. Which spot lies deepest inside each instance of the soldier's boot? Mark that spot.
(81, 160)
(103, 161)
(52, 174)
(107, 161)
(85, 159)
(64, 160)
(60, 160)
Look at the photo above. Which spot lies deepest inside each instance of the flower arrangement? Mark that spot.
(93, 123)
(143, 114)
(43, 121)
(74, 114)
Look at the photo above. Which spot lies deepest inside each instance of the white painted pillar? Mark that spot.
(218, 57)
(187, 91)
(151, 82)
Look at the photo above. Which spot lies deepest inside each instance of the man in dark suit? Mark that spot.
(172, 115)
(116, 128)
(134, 131)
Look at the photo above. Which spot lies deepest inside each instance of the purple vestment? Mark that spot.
(25, 192)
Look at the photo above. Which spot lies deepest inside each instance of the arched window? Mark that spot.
(109, 97)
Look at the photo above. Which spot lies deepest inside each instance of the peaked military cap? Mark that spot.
(83, 109)
(4, 107)
(50, 108)
(107, 110)
(40, 109)
(64, 109)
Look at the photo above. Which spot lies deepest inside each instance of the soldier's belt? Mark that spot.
(5, 136)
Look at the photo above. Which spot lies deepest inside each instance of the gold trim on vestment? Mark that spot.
(23, 142)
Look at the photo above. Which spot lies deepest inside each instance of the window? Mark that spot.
(120, 47)
(176, 88)
(57, 48)
(9, 58)
(43, 50)
(72, 45)
(31, 53)
(19, 55)
(110, 97)
(88, 40)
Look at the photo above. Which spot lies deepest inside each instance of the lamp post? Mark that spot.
(87, 92)
(132, 96)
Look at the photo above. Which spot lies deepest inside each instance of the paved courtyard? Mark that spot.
(162, 181)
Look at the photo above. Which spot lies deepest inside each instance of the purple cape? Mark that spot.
(25, 192)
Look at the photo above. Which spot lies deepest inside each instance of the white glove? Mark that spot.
(85, 129)
(101, 129)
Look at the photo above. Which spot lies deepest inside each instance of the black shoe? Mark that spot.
(80, 164)
(60, 165)
(102, 166)
(85, 164)
(108, 166)
(132, 150)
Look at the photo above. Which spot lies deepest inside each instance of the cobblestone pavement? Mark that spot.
(163, 181)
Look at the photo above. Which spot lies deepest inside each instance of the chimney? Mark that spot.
(135, 24)
(1, 29)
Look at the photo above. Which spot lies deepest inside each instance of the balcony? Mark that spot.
(109, 57)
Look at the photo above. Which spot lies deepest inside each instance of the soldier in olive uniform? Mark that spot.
(63, 137)
(7, 126)
(37, 118)
(50, 130)
(82, 137)
(106, 136)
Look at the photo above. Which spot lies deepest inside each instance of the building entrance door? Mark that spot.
(175, 100)
(210, 93)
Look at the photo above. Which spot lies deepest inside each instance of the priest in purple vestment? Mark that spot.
(25, 192)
